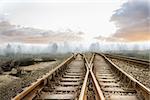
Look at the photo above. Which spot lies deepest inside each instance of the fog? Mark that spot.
(66, 47)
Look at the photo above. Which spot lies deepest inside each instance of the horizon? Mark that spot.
(79, 23)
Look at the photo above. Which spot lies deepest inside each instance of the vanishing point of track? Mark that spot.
(78, 79)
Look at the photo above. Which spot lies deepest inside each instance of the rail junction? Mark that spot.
(79, 79)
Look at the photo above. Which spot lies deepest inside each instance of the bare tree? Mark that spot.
(94, 47)
(54, 48)
(8, 50)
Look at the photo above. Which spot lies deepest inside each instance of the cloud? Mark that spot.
(133, 19)
(51, 38)
(12, 33)
(109, 39)
(4, 17)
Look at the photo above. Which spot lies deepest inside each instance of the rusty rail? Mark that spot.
(99, 92)
(83, 92)
(140, 88)
(131, 59)
(32, 90)
(92, 58)
(84, 88)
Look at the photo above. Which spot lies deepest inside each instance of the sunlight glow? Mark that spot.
(90, 16)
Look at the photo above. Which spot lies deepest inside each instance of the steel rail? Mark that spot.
(131, 59)
(82, 95)
(92, 58)
(140, 88)
(83, 89)
(100, 95)
(97, 87)
(31, 91)
(34, 87)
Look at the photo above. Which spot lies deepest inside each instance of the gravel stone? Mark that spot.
(137, 71)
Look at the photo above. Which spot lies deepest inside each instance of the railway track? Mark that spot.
(62, 83)
(111, 84)
(78, 79)
(137, 68)
(137, 61)
(115, 84)
(68, 84)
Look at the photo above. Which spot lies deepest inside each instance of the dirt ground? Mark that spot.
(11, 85)
(37, 66)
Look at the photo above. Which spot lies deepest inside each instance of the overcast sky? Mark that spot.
(133, 20)
(89, 16)
(118, 19)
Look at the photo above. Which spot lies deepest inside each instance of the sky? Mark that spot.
(133, 20)
(111, 20)
(89, 16)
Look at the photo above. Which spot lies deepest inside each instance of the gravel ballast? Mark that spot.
(139, 72)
